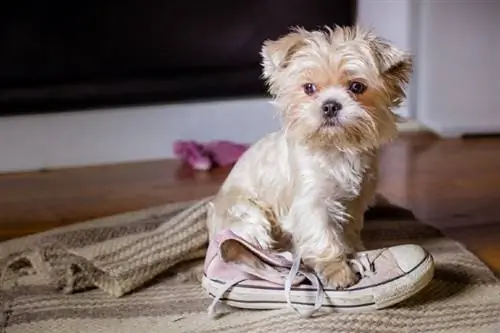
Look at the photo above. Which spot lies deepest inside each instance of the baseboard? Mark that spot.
(482, 127)
(128, 134)
(131, 134)
(412, 125)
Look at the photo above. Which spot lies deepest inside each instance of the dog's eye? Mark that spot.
(357, 87)
(309, 88)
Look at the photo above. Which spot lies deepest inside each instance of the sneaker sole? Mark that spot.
(362, 299)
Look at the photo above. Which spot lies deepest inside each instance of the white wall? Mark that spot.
(147, 133)
(496, 74)
(127, 134)
(391, 19)
(459, 66)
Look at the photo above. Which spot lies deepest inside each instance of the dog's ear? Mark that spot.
(395, 65)
(276, 54)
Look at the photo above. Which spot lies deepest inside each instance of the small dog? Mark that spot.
(305, 188)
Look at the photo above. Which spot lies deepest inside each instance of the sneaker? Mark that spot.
(388, 276)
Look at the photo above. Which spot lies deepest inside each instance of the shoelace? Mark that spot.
(364, 267)
(294, 270)
(363, 264)
(228, 285)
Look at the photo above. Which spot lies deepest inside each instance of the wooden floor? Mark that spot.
(451, 184)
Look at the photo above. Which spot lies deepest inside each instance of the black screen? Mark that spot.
(60, 55)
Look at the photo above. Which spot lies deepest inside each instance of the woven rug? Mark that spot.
(133, 273)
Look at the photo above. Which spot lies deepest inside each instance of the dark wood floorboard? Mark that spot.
(453, 185)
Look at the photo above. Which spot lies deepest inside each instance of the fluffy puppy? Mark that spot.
(305, 188)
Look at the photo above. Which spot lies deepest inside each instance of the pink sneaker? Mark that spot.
(388, 276)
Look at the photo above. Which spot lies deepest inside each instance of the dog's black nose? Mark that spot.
(331, 108)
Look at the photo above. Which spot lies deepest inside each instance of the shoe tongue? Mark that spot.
(272, 266)
(272, 274)
(282, 259)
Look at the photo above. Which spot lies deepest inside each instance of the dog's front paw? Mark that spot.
(338, 274)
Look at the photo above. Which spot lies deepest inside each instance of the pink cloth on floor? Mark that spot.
(204, 156)
(193, 153)
(225, 152)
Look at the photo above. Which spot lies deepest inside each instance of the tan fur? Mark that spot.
(305, 187)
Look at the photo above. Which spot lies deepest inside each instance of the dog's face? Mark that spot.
(337, 87)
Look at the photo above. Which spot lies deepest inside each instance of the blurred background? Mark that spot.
(108, 81)
(95, 95)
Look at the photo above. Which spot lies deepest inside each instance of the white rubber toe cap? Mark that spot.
(408, 256)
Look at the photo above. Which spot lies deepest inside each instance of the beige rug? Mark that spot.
(121, 274)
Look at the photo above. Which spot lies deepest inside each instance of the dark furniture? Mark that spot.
(60, 55)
